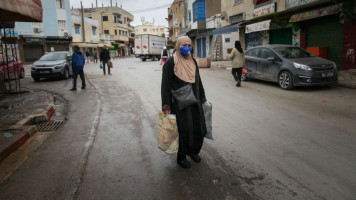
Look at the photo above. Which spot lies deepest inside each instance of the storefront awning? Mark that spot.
(316, 13)
(84, 45)
(259, 26)
(21, 10)
(226, 29)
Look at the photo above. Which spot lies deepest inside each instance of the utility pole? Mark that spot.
(96, 3)
(83, 28)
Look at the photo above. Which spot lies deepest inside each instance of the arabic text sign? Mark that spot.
(265, 10)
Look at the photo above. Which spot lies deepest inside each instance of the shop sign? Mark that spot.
(295, 3)
(51, 41)
(265, 10)
(260, 26)
(315, 13)
(35, 40)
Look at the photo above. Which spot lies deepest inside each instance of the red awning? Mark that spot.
(21, 10)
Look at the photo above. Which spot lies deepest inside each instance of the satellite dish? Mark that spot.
(143, 20)
(223, 15)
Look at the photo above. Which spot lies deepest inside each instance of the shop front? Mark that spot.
(322, 32)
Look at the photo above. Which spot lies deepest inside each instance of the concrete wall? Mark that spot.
(212, 7)
(50, 20)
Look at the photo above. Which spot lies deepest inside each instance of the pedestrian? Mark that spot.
(95, 58)
(238, 61)
(78, 62)
(105, 59)
(180, 70)
(164, 55)
(87, 54)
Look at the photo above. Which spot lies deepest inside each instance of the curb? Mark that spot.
(21, 138)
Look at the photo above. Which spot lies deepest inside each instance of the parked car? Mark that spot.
(9, 65)
(53, 64)
(289, 66)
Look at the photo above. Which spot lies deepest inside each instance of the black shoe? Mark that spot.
(73, 89)
(109, 73)
(184, 163)
(83, 88)
(195, 157)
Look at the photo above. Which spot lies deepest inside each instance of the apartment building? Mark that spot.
(86, 35)
(176, 14)
(150, 28)
(53, 34)
(114, 28)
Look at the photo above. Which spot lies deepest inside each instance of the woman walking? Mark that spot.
(181, 70)
(238, 61)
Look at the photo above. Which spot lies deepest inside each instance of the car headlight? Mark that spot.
(334, 65)
(302, 67)
(58, 66)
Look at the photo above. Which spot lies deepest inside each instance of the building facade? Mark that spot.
(114, 28)
(53, 34)
(86, 35)
(176, 21)
(150, 28)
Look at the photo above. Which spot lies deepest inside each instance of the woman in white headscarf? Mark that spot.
(180, 70)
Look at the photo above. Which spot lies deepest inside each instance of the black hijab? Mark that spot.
(238, 46)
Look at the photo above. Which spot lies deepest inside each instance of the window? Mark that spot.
(105, 18)
(265, 53)
(190, 16)
(77, 29)
(60, 4)
(93, 29)
(236, 2)
(227, 40)
(115, 32)
(144, 30)
(119, 21)
(125, 20)
(199, 11)
(257, 2)
(252, 52)
(62, 24)
(106, 32)
(120, 32)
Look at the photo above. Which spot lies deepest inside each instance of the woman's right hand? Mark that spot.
(167, 112)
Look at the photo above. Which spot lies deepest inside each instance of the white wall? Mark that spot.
(227, 45)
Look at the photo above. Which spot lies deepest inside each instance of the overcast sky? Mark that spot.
(158, 15)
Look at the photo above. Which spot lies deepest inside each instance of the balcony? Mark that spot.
(106, 37)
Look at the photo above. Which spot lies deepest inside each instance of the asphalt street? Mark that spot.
(269, 143)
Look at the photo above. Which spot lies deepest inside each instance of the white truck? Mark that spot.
(149, 46)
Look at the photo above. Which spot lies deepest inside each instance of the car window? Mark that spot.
(53, 57)
(292, 52)
(265, 53)
(253, 52)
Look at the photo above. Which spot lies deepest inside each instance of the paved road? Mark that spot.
(269, 143)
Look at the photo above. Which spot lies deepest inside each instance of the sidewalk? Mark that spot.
(18, 114)
(347, 78)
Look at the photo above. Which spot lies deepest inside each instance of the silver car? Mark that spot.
(51, 65)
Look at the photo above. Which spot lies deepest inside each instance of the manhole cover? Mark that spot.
(49, 126)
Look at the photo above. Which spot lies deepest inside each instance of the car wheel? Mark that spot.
(36, 79)
(66, 73)
(285, 80)
(244, 77)
(143, 59)
(22, 73)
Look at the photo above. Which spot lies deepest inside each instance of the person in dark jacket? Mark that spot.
(180, 70)
(78, 62)
(87, 54)
(105, 58)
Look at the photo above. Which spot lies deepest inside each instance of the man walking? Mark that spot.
(87, 54)
(105, 58)
(78, 62)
